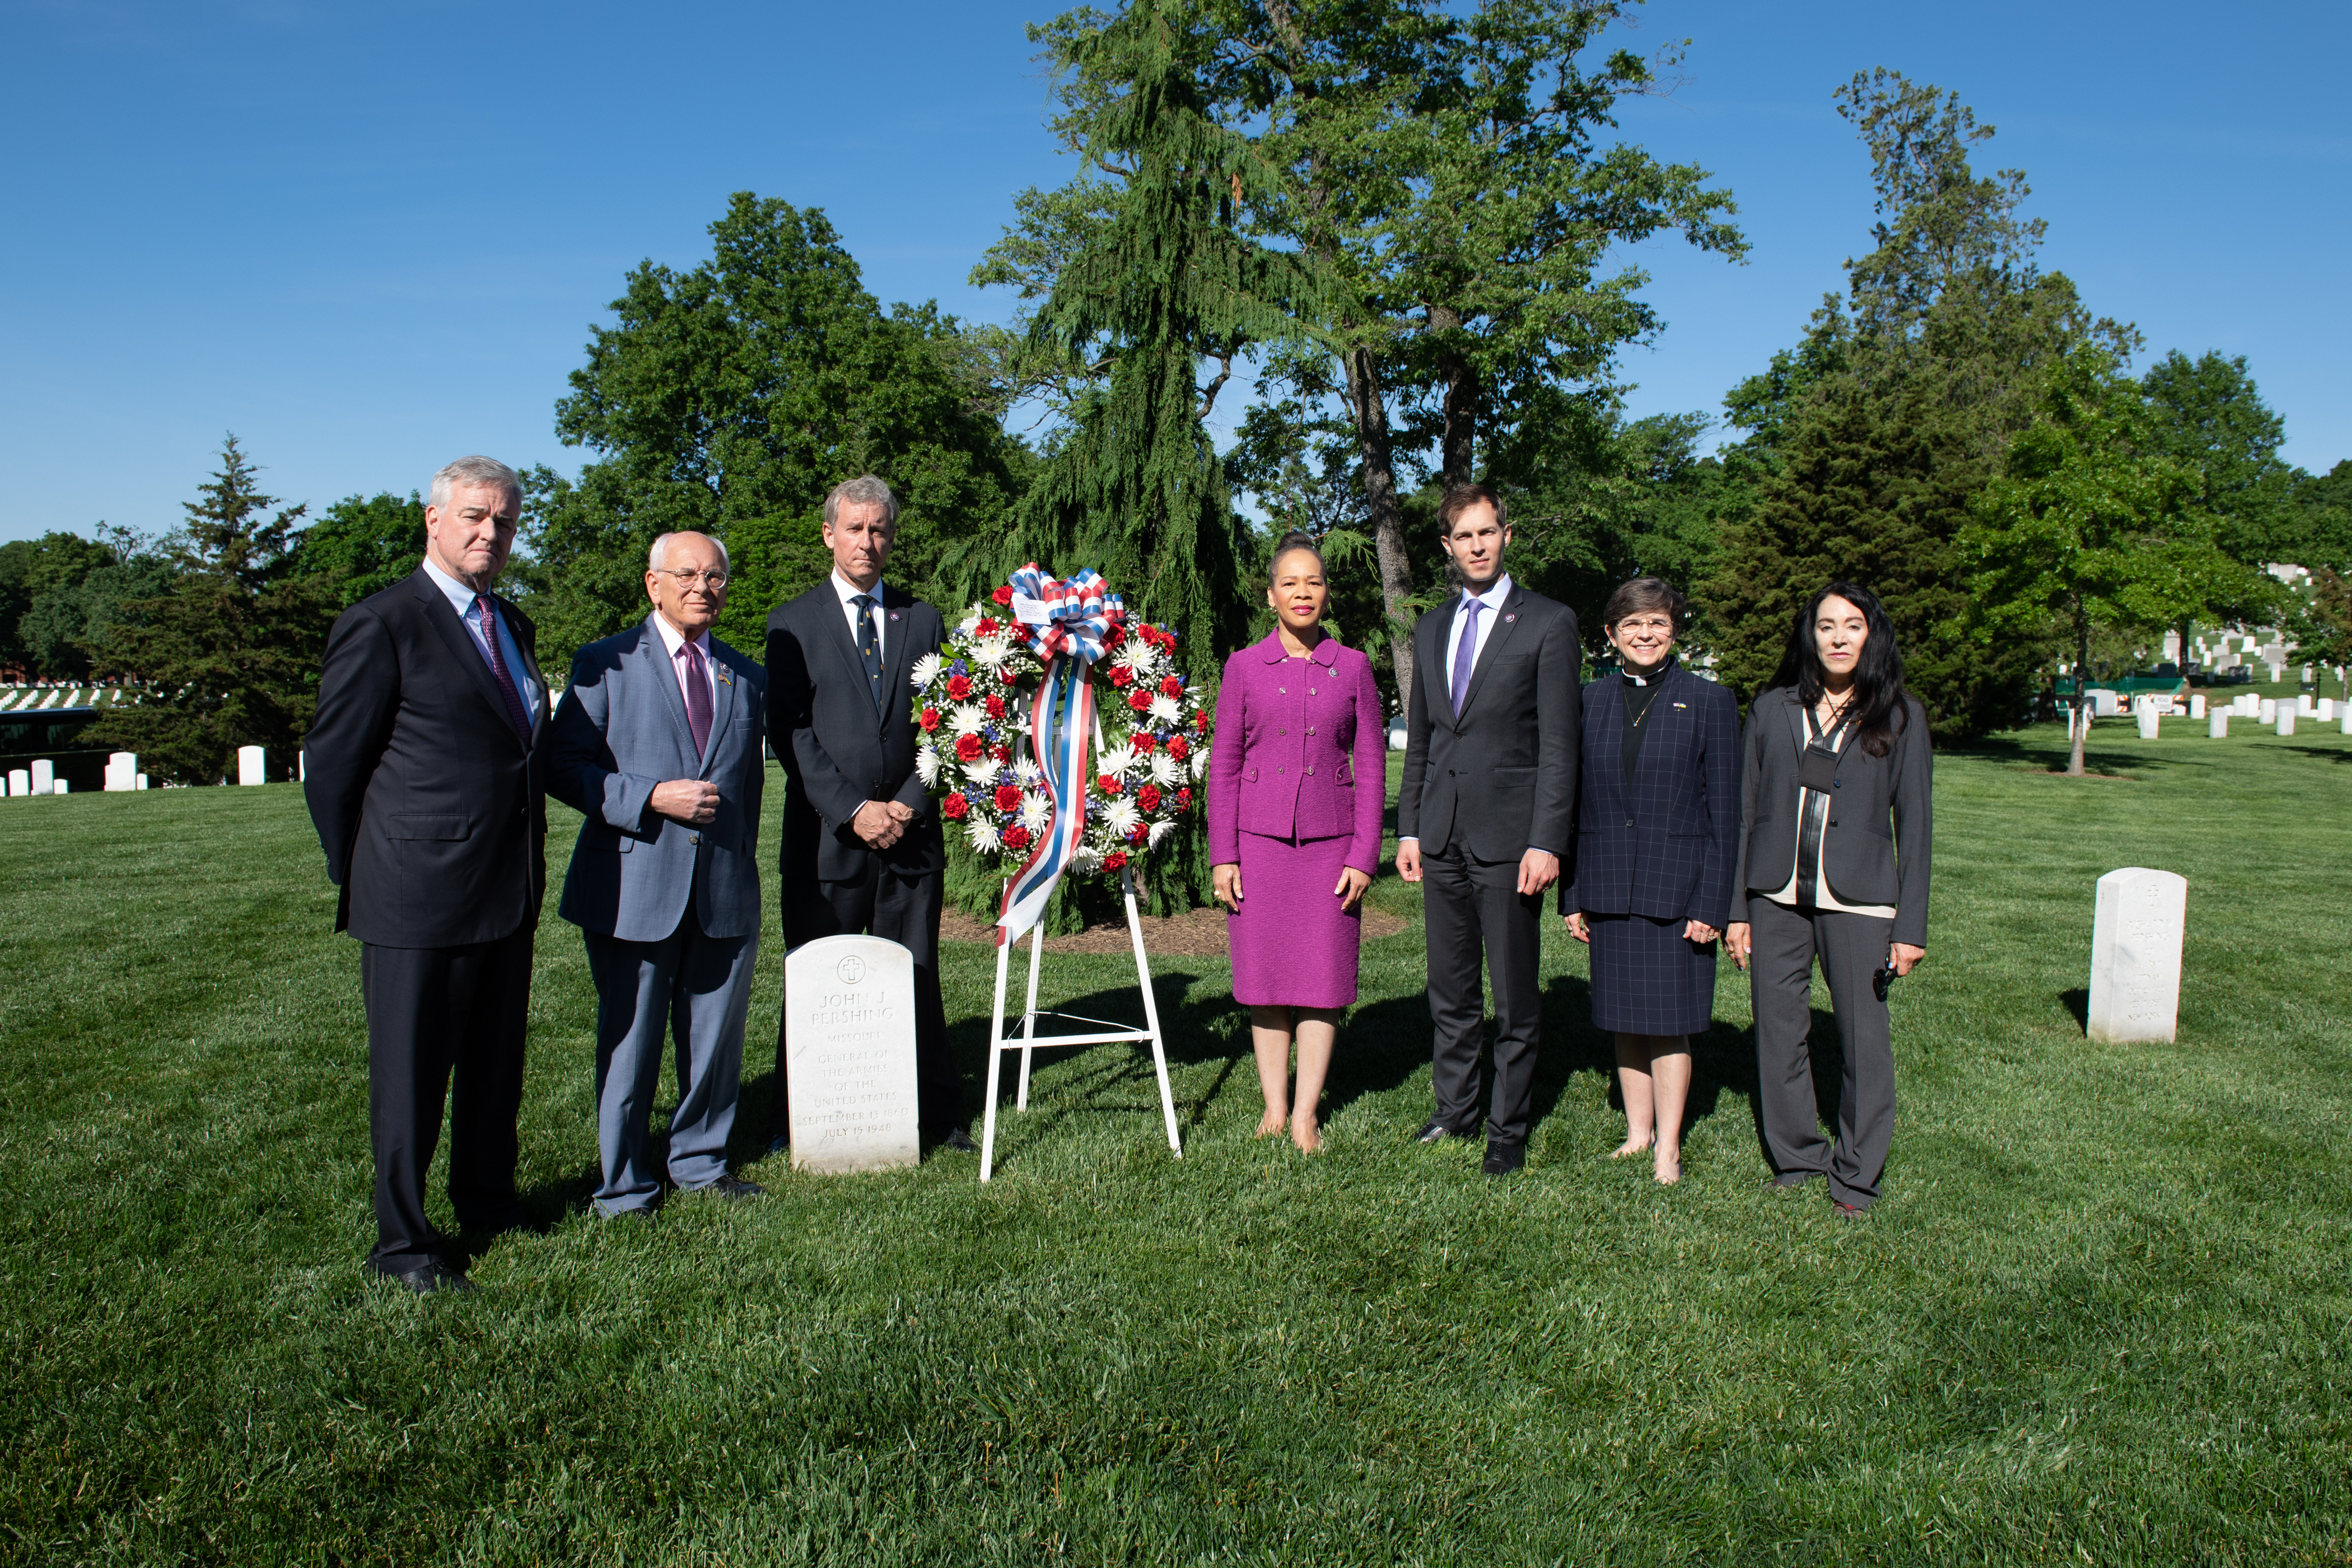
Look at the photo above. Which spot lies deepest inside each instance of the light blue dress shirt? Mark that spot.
(462, 600)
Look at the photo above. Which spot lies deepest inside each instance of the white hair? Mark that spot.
(660, 552)
(473, 471)
(863, 491)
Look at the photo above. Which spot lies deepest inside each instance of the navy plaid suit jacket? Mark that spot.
(1668, 851)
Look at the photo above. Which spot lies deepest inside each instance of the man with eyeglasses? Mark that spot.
(659, 744)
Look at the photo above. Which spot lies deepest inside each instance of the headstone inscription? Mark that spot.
(252, 765)
(2216, 724)
(2136, 935)
(849, 1006)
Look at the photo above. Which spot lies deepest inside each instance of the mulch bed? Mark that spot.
(1194, 934)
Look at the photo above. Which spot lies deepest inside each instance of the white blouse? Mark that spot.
(1824, 898)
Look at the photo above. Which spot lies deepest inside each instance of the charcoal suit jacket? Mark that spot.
(1666, 849)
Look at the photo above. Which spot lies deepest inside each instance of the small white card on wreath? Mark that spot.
(849, 1006)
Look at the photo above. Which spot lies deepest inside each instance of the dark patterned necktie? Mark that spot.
(697, 697)
(869, 645)
(515, 709)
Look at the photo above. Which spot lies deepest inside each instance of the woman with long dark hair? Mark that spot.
(1657, 832)
(1836, 827)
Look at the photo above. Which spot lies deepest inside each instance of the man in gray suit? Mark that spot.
(659, 741)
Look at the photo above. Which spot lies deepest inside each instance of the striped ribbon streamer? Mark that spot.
(1060, 721)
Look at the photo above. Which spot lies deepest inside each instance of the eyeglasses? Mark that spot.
(717, 580)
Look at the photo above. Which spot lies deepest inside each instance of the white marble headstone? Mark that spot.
(45, 776)
(2149, 722)
(2285, 720)
(2136, 939)
(252, 765)
(2197, 707)
(2268, 713)
(849, 1006)
(121, 767)
(2216, 723)
(20, 780)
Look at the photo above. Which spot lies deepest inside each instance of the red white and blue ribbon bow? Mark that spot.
(1070, 618)
(1073, 618)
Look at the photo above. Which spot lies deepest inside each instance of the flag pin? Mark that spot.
(1513, 616)
(894, 615)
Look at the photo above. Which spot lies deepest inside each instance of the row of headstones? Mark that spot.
(2267, 712)
(30, 698)
(122, 773)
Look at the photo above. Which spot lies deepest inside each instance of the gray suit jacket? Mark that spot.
(619, 731)
(1879, 842)
(1501, 778)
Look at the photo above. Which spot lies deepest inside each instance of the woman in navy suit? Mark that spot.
(1657, 836)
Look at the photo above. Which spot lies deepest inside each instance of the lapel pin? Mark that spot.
(894, 615)
(1682, 704)
(1509, 619)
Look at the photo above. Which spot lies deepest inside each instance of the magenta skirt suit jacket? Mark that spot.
(1298, 782)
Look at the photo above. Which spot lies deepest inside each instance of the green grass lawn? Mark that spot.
(2101, 1315)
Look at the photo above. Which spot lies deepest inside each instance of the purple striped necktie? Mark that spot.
(498, 668)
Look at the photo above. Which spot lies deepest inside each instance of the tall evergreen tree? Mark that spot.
(228, 656)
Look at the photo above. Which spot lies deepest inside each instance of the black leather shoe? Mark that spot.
(1502, 1158)
(781, 1143)
(960, 1141)
(733, 1188)
(431, 1276)
(1436, 1132)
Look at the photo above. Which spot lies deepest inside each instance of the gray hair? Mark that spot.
(477, 470)
(863, 491)
(660, 550)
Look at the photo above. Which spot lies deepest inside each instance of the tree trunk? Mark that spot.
(1462, 391)
(2082, 724)
(1370, 413)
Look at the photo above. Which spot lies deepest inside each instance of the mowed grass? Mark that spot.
(2101, 1315)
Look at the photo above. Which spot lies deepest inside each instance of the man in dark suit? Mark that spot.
(658, 744)
(1490, 766)
(862, 847)
(424, 775)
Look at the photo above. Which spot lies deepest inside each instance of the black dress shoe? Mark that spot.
(960, 1141)
(733, 1188)
(1437, 1132)
(1502, 1158)
(430, 1275)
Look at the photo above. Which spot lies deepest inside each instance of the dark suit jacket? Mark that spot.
(837, 751)
(1501, 779)
(429, 806)
(1877, 847)
(1667, 850)
(620, 731)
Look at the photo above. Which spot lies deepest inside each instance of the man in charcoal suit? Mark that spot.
(862, 847)
(1484, 813)
(658, 745)
(423, 772)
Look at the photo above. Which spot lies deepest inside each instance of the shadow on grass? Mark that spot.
(2332, 754)
(2077, 1002)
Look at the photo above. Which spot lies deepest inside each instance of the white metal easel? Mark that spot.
(1107, 1033)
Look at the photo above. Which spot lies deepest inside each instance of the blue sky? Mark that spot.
(370, 238)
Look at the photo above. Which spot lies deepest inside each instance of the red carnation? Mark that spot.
(1178, 747)
(1016, 838)
(1008, 797)
(1003, 752)
(986, 628)
(1115, 861)
(1143, 741)
(1140, 700)
(1170, 686)
(968, 748)
(996, 706)
(1201, 722)
(1120, 675)
(1113, 636)
(1138, 834)
(1007, 674)
(1184, 798)
(1002, 596)
(1106, 783)
(930, 719)
(958, 687)
(955, 808)
(1148, 797)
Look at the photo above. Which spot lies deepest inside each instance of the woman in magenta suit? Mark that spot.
(1296, 782)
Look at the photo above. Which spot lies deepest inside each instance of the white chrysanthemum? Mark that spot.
(983, 834)
(1165, 769)
(1120, 817)
(1160, 830)
(989, 652)
(926, 669)
(1200, 761)
(926, 766)
(1027, 774)
(1087, 861)
(1115, 762)
(1132, 654)
(1036, 811)
(967, 718)
(969, 624)
(1166, 708)
(983, 773)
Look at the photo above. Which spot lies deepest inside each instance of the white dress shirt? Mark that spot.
(461, 599)
(1490, 610)
(1823, 897)
(673, 640)
(849, 590)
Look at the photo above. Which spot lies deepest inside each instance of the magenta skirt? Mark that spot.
(1292, 944)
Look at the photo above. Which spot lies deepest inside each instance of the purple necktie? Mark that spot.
(1467, 653)
(498, 668)
(697, 697)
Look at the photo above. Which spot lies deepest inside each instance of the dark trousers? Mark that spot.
(904, 909)
(443, 1020)
(1470, 905)
(1780, 974)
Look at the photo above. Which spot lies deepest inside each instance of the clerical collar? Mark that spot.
(1664, 669)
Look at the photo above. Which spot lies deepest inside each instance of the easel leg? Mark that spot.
(995, 1061)
(1150, 1012)
(1029, 1018)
